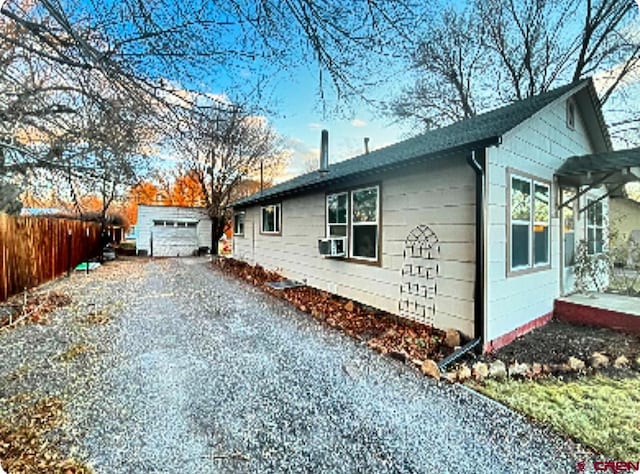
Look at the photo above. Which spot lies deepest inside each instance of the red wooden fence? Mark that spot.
(34, 250)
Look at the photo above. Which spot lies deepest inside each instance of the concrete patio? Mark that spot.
(600, 309)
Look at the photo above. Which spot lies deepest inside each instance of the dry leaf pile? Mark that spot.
(36, 308)
(25, 447)
(386, 333)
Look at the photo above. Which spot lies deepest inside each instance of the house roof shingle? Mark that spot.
(467, 134)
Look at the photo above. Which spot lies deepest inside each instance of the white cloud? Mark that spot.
(303, 158)
(358, 123)
(315, 126)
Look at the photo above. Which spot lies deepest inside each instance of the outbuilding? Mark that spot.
(473, 226)
(172, 231)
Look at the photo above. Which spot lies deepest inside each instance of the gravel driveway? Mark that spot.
(195, 372)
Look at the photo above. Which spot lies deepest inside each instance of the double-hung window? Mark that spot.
(356, 216)
(595, 227)
(271, 219)
(238, 223)
(529, 221)
(364, 223)
(337, 210)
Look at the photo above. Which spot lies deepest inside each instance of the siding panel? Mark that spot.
(537, 147)
(439, 194)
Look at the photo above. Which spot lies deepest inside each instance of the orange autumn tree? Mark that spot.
(187, 190)
(145, 192)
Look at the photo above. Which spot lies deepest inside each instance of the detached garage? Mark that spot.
(172, 231)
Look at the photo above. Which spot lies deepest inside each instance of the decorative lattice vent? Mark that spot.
(420, 269)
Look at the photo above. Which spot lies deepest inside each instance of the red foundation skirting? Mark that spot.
(590, 316)
(509, 337)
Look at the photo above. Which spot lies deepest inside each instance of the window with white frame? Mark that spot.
(337, 211)
(238, 223)
(271, 219)
(571, 114)
(356, 215)
(364, 223)
(595, 227)
(529, 221)
(541, 222)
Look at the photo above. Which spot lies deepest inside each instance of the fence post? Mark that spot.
(87, 245)
(69, 249)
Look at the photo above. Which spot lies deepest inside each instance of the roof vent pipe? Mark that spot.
(324, 152)
(366, 145)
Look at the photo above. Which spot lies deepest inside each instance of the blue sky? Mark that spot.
(289, 98)
(302, 119)
(299, 116)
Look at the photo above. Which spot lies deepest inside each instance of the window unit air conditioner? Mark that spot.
(333, 246)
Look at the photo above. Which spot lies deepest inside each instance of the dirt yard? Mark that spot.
(555, 342)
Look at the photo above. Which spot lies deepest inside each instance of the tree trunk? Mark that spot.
(217, 229)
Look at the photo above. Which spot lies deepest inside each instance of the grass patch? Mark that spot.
(599, 411)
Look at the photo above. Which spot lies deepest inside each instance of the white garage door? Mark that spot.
(174, 241)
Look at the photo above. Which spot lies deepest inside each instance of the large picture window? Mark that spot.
(364, 223)
(271, 219)
(529, 221)
(595, 227)
(356, 215)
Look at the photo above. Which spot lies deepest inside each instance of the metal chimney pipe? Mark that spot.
(366, 145)
(324, 152)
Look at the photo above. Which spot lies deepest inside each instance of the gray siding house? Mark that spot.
(172, 231)
(473, 226)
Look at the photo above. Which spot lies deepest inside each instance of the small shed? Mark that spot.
(172, 231)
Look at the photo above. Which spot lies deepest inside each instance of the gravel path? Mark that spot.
(199, 373)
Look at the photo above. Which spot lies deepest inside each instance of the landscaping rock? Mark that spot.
(599, 360)
(576, 364)
(480, 371)
(463, 373)
(452, 338)
(430, 368)
(537, 369)
(559, 368)
(349, 306)
(518, 370)
(621, 362)
(497, 370)
(450, 377)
